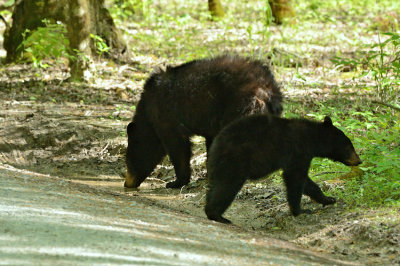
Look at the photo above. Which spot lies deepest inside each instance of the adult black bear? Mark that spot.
(196, 98)
(255, 146)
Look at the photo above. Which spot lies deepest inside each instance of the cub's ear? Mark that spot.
(327, 121)
(130, 128)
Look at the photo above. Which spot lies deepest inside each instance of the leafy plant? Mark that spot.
(375, 136)
(47, 42)
(101, 46)
(129, 9)
(381, 62)
(269, 18)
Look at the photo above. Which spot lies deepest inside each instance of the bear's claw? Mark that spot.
(329, 201)
(176, 184)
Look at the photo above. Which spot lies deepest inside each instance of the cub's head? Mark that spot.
(339, 146)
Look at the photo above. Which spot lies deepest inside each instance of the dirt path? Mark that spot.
(48, 220)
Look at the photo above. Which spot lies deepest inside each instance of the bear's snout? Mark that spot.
(131, 181)
(354, 160)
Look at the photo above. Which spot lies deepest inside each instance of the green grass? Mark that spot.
(376, 137)
(375, 133)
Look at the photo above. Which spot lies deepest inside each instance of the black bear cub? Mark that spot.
(255, 146)
(196, 98)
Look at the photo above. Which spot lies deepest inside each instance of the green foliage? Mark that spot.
(375, 133)
(6, 4)
(381, 180)
(340, 10)
(47, 42)
(101, 46)
(50, 43)
(376, 137)
(130, 9)
(382, 62)
(269, 18)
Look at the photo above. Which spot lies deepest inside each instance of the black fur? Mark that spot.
(255, 146)
(196, 98)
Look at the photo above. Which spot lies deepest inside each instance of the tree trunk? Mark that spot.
(79, 36)
(281, 9)
(215, 8)
(82, 17)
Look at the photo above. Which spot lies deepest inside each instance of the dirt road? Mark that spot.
(47, 221)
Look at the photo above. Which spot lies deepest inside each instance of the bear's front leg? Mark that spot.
(312, 190)
(179, 151)
(295, 182)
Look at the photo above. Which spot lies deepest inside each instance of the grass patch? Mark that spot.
(375, 133)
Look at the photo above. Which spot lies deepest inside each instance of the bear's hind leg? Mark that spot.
(220, 196)
(312, 190)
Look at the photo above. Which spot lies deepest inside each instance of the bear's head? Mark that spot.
(131, 180)
(338, 145)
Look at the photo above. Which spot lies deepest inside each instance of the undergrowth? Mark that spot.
(47, 42)
(375, 133)
(380, 61)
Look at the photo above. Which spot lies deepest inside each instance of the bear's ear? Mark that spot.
(327, 121)
(130, 128)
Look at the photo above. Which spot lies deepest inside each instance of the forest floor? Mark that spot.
(45, 129)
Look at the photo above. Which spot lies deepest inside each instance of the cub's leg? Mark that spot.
(295, 181)
(220, 196)
(312, 190)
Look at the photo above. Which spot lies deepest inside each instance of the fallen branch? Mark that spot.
(329, 172)
(387, 105)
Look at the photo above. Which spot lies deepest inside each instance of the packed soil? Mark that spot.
(47, 220)
(77, 132)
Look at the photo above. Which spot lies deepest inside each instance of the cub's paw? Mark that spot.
(219, 219)
(176, 184)
(329, 201)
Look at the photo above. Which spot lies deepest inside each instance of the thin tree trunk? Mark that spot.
(281, 9)
(79, 36)
(215, 8)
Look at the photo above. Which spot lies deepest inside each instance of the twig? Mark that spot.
(103, 150)
(180, 192)
(329, 172)
(5, 22)
(387, 105)
(201, 198)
